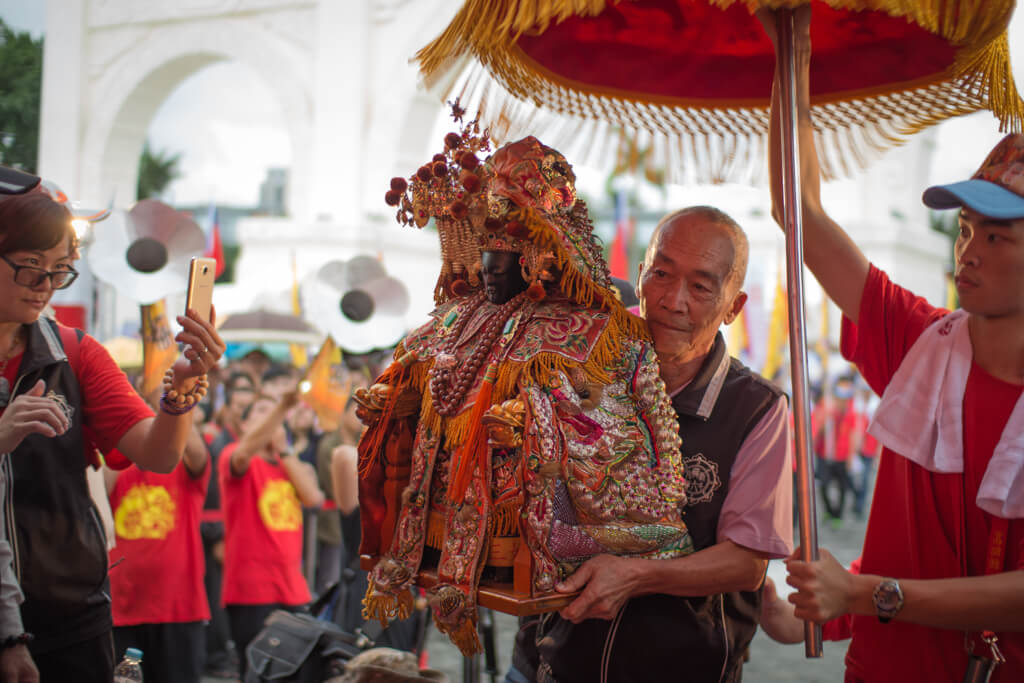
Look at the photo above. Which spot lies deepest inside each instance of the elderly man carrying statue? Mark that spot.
(529, 406)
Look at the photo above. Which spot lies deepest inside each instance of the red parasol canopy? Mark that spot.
(696, 76)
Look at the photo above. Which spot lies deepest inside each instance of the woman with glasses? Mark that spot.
(62, 398)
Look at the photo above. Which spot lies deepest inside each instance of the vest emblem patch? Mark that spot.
(701, 479)
(62, 403)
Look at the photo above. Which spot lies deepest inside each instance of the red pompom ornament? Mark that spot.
(393, 197)
(438, 157)
(424, 173)
(458, 210)
(468, 161)
(452, 140)
(492, 224)
(536, 292)
(439, 168)
(470, 182)
(399, 184)
(516, 230)
(459, 288)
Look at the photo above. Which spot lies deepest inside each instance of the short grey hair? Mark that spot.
(719, 218)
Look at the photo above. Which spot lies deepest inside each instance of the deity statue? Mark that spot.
(525, 425)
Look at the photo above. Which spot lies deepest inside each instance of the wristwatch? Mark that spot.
(888, 599)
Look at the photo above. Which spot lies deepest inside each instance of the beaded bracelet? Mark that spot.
(20, 639)
(174, 402)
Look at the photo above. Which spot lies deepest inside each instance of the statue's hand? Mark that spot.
(504, 424)
(372, 402)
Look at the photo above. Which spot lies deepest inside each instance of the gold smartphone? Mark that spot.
(202, 272)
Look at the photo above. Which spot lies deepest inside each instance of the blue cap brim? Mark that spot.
(982, 196)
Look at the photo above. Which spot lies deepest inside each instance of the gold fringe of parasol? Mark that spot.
(516, 96)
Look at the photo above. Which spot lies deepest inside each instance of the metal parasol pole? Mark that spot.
(793, 216)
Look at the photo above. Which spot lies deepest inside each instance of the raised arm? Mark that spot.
(837, 263)
(157, 443)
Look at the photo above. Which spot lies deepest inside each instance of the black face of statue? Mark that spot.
(502, 276)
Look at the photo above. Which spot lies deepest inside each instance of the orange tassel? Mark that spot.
(473, 452)
(371, 445)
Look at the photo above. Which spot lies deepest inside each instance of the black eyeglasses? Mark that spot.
(30, 276)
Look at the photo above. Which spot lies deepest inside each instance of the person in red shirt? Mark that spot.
(156, 586)
(263, 489)
(943, 555)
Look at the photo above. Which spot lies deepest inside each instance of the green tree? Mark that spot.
(21, 78)
(157, 170)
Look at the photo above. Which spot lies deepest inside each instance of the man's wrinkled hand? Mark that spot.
(606, 582)
(16, 666)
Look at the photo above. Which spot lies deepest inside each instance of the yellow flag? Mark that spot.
(298, 352)
(738, 340)
(321, 391)
(823, 341)
(778, 331)
(158, 348)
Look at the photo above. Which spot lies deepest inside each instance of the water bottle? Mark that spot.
(130, 668)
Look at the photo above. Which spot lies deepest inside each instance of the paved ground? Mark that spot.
(769, 661)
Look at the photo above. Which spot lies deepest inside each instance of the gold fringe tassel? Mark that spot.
(464, 635)
(980, 77)
(385, 607)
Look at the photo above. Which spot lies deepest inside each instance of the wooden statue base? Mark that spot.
(497, 596)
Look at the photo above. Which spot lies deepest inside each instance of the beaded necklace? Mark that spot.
(448, 383)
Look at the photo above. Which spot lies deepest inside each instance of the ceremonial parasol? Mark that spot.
(693, 79)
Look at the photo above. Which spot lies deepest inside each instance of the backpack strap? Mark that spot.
(70, 339)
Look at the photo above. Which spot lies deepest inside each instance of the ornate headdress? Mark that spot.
(520, 199)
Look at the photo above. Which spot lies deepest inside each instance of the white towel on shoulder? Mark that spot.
(921, 416)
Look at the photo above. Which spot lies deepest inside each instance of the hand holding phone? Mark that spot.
(199, 297)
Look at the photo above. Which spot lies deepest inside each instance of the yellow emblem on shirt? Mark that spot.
(145, 512)
(279, 507)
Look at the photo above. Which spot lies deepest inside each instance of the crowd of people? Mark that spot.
(210, 481)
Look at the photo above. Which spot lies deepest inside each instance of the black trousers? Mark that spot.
(90, 661)
(246, 623)
(218, 631)
(171, 653)
(834, 472)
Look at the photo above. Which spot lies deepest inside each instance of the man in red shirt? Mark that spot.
(944, 549)
(263, 489)
(156, 586)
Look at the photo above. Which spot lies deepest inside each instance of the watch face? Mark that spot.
(888, 598)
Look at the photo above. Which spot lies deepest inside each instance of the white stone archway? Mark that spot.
(339, 70)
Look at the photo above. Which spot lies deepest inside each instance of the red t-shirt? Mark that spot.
(158, 577)
(916, 526)
(849, 424)
(262, 534)
(110, 406)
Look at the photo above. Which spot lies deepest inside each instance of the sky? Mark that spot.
(213, 130)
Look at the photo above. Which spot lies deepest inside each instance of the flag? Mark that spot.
(738, 341)
(618, 257)
(321, 391)
(158, 348)
(778, 331)
(298, 351)
(214, 248)
(823, 341)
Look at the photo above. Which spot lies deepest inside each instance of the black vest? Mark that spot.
(661, 638)
(60, 552)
